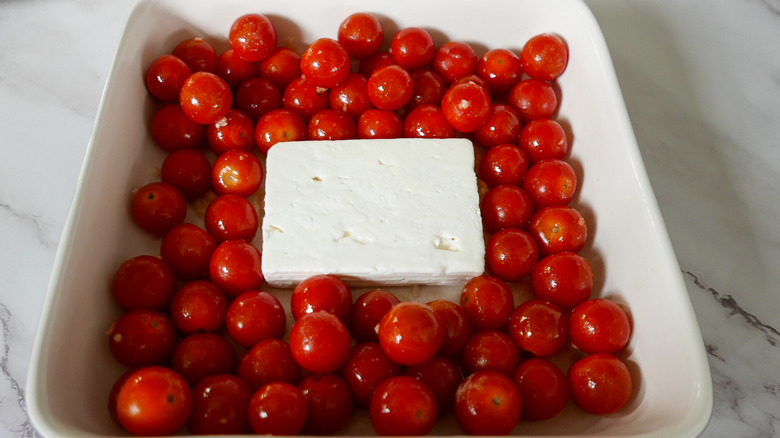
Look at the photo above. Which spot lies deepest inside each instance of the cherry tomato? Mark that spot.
(427, 121)
(403, 405)
(466, 106)
(533, 99)
(365, 368)
(564, 278)
(544, 56)
(600, 384)
(188, 248)
(278, 408)
(254, 316)
(351, 96)
(320, 342)
(236, 172)
(491, 350)
(199, 306)
(457, 328)
(305, 98)
(189, 171)
(543, 388)
(142, 337)
(501, 69)
(165, 77)
(143, 282)
(157, 207)
(322, 293)
(506, 206)
(599, 326)
(454, 60)
(390, 88)
(376, 123)
(172, 129)
(410, 333)
(331, 124)
(154, 401)
(488, 302)
(325, 63)
(282, 67)
(427, 89)
(201, 355)
(442, 375)
(503, 164)
(270, 360)
(361, 34)
(543, 138)
(503, 125)
(487, 403)
(220, 406)
(197, 53)
(550, 182)
(234, 70)
(114, 394)
(279, 125)
(330, 403)
(368, 310)
(231, 217)
(412, 48)
(253, 37)
(511, 254)
(234, 131)
(375, 61)
(539, 327)
(235, 267)
(205, 98)
(557, 229)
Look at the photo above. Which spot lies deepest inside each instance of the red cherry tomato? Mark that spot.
(457, 328)
(466, 106)
(320, 342)
(365, 368)
(600, 384)
(375, 61)
(322, 293)
(256, 97)
(197, 53)
(220, 406)
(282, 67)
(205, 98)
(234, 131)
(325, 63)
(305, 98)
(201, 355)
(410, 333)
(231, 217)
(172, 129)
(279, 125)
(270, 360)
(511, 254)
(330, 403)
(564, 278)
(361, 35)
(143, 282)
(503, 125)
(543, 138)
(157, 207)
(235, 267)
(543, 388)
(234, 70)
(237, 172)
(188, 248)
(253, 37)
(442, 375)
(165, 77)
(412, 48)
(278, 408)
(503, 164)
(376, 123)
(427, 121)
(500, 69)
(368, 310)
(491, 350)
(487, 301)
(454, 60)
(539, 327)
(427, 89)
(390, 88)
(403, 405)
(154, 401)
(544, 56)
(533, 99)
(488, 403)
(331, 124)
(351, 96)
(550, 182)
(557, 229)
(506, 206)
(599, 326)
(254, 316)
(142, 337)
(189, 171)
(199, 306)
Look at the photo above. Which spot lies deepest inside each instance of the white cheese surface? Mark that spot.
(373, 212)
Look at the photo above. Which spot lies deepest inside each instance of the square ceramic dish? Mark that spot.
(72, 369)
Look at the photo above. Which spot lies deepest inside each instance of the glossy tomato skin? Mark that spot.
(205, 98)
(600, 384)
(234, 131)
(351, 96)
(230, 217)
(279, 125)
(282, 67)
(491, 350)
(550, 182)
(270, 360)
(331, 124)
(543, 138)
(320, 342)
(599, 326)
(557, 229)
(375, 61)
(441, 374)
(254, 316)
(256, 97)
(506, 206)
(539, 328)
(544, 57)
(305, 98)
(368, 310)
(543, 388)
(201, 355)
(165, 77)
(234, 70)
(412, 48)
(142, 337)
(390, 88)
(325, 63)
(330, 403)
(220, 406)
(187, 248)
(564, 278)
(533, 99)
(501, 69)
(187, 170)
(410, 333)
(235, 267)
(365, 368)
(361, 34)
(503, 125)
(322, 293)
(278, 408)
(199, 306)
(171, 129)
(456, 324)
(466, 106)
(376, 123)
(143, 282)
(503, 164)
(487, 403)
(454, 60)
(487, 302)
(253, 37)
(427, 89)
(511, 254)
(157, 207)
(236, 172)
(154, 400)
(197, 53)
(427, 121)
(403, 405)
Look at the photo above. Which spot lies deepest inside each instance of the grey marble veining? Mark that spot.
(701, 81)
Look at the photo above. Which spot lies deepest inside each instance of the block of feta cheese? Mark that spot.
(372, 212)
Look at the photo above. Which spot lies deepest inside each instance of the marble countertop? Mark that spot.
(701, 82)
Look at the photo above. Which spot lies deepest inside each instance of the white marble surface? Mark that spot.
(701, 81)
